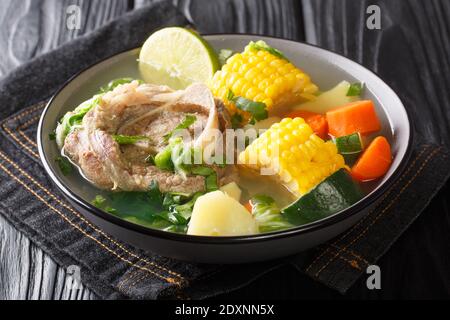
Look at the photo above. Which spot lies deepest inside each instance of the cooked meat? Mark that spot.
(143, 110)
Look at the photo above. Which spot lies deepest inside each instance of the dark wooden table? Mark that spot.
(417, 266)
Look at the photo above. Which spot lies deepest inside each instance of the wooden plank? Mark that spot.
(32, 27)
(27, 29)
(410, 52)
(281, 18)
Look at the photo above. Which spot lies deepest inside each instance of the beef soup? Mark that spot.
(254, 148)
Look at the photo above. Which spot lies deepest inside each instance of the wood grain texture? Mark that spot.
(29, 28)
(411, 51)
(32, 27)
(281, 18)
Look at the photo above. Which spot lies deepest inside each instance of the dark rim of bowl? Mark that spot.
(310, 227)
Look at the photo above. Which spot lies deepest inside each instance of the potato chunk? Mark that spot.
(233, 190)
(328, 100)
(217, 214)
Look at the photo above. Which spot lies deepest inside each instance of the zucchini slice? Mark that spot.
(337, 192)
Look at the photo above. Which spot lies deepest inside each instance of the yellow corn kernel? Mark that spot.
(299, 158)
(258, 74)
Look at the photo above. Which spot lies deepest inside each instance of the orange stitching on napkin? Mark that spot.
(25, 125)
(20, 142)
(168, 279)
(357, 256)
(135, 275)
(373, 210)
(27, 112)
(20, 116)
(384, 210)
(353, 263)
(86, 221)
(126, 289)
(127, 278)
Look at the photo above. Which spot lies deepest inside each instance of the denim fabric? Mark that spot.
(113, 269)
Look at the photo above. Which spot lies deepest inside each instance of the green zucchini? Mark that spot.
(350, 147)
(337, 192)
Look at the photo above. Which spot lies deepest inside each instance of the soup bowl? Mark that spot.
(325, 68)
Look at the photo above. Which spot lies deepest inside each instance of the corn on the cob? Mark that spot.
(294, 154)
(261, 76)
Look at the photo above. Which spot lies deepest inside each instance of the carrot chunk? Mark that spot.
(248, 206)
(375, 160)
(359, 116)
(316, 121)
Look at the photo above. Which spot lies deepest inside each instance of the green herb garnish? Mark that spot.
(155, 209)
(236, 121)
(174, 198)
(211, 183)
(163, 160)
(99, 201)
(355, 89)
(267, 214)
(174, 158)
(188, 121)
(121, 139)
(52, 135)
(261, 45)
(172, 217)
(74, 119)
(202, 171)
(258, 110)
(150, 160)
(185, 209)
(154, 193)
(224, 55)
(64, 165)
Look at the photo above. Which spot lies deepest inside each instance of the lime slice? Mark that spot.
(177, 57)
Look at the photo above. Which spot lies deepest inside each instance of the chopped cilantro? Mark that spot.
(258, 110)
(261, 45)
(121, 139)
(355, 89)
(188, 121)
(64, 165)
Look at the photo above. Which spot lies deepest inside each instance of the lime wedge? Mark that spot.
(177, 57)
